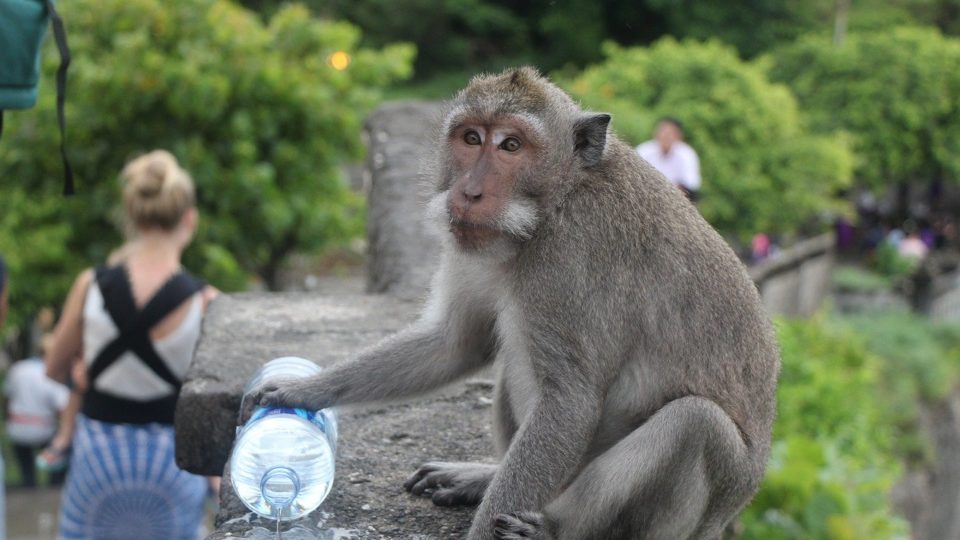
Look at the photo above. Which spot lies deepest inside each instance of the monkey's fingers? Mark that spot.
(272, 398)
(427, 483)
(248, 404)
(522, 525)
(417, 476)
(430, 477)
(456, 496)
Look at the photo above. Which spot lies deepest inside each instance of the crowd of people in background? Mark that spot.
(103, 395)
(912, 231)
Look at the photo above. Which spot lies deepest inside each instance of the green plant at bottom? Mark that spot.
(832, 463)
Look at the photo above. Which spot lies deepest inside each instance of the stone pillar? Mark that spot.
(402, 252)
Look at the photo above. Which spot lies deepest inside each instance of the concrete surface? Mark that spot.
(379, 445)
(241, 332)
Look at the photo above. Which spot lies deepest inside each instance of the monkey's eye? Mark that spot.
(472, 138)
(510, 144)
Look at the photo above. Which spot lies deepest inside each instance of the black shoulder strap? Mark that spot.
(60, 36)
(134, 326)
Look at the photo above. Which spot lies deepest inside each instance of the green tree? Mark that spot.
(752, 26)
(762, 171)
(895, 91)
(253, 109)
(449, 34)
(472, 35)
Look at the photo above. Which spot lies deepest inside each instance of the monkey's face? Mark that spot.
(489, 160)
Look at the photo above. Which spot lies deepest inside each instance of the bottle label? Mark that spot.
(317, 418)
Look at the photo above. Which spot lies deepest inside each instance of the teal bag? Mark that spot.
(23, 25)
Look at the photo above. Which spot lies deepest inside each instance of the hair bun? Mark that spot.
(157, 190)
(150, 183)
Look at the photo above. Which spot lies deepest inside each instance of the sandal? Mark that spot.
(53, 459)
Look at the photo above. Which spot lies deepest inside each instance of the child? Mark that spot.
(34, 403)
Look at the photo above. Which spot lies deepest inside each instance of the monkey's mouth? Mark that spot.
(472, 235)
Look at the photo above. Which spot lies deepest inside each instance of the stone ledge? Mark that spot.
(242, 331)
(379, 446)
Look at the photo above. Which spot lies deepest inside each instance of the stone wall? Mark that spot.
(402, 254)
(796, 281)
(944, 305)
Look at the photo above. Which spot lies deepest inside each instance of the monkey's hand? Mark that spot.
(520, 526)
(305, 393)
(297, 393)
(451, 484)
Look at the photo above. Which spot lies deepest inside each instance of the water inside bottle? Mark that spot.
(283, 465)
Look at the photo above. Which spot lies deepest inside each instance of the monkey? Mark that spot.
(637, 368)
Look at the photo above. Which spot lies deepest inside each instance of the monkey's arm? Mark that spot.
(545, 454)
(432, 352)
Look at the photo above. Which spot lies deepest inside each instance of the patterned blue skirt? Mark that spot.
(123, 483)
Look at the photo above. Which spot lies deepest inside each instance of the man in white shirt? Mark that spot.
(674, 158)
(33, 408)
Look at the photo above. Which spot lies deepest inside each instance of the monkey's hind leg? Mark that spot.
(451, 484)
(683, 474)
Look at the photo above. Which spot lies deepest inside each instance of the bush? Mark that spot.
(895, 91)
(253, 110)
(833, 461)
(762, 171)
(853, 279)
(922, 356)
(888, 261)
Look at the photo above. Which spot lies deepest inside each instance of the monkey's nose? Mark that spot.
(472, 195)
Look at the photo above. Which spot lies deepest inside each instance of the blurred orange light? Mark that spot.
(339, 60)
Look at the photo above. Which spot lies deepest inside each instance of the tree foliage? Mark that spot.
(488, 34)
(474, 35)
(751, 26)
(748, 132)
(895, 91)
(252, 109)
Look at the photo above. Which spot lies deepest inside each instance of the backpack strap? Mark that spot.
(60, 36)
(134, 325)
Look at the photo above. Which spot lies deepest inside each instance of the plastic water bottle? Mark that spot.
(282, 464)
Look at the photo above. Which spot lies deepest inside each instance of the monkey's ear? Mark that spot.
(590, 138)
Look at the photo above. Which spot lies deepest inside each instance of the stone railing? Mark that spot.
(796, 281)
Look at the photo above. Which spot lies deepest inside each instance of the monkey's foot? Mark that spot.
(519, 526)
(451, 484)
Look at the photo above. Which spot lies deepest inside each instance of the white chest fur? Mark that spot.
(513, 357)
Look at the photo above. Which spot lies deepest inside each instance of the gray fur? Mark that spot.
(638, 368)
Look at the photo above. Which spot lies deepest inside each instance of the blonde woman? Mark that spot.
(135, 324)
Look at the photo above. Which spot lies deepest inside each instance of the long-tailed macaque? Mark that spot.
(637, 367)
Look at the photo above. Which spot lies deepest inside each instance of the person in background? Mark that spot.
(3, 292)
(33, 404)
(135, 324)
(4, 286)
(675, 159)
(54, 457)
(759, 248)
(912, 246)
